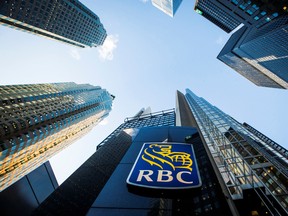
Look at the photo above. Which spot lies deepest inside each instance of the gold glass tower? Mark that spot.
(39, 120)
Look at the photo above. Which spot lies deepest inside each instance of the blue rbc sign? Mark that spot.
(165, 166)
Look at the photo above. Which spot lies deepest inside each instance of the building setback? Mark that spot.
(241, 173)
(169, 7)
(68, 21)
(39, 120)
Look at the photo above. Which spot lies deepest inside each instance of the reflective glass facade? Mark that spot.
(167, 6)
(144, 119)
(39, 120)
(248, 162)
(217, 15)
(269, 50)
(68, 21)
(260, 55)
(258, 51)
(228, 14)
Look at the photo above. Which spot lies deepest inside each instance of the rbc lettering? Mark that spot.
(162, 176)
(165, 166)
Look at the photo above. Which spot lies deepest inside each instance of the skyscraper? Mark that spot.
(229, 14)
(257, 51)
(167, 6)
(260, 55)
(39, 120)
(242, 172)
(68, 21)
(250, 164)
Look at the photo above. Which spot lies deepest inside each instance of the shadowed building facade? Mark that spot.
(229, 14)
(260, 55)
(39, 120)
(258, 51)
(26, 194)
(68, 21)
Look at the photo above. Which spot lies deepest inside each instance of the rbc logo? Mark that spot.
(165, 166)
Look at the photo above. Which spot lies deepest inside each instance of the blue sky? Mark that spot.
(146, 58)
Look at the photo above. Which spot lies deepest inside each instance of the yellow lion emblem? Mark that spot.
(158, 154)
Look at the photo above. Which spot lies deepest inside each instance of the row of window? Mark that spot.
(252, 9)
(217, 13)
(50, 128)
(42, 16)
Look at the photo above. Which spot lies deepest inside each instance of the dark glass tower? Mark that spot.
(229, 14)
(67, 21)
(251, 165)
(260, 55)
(39, 120)
(257, 51)
(26, 194)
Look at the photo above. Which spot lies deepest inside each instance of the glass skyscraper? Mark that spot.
(260, 55)
(229, 14)
(249, 162)
(258, 50)
(217, 15)
(167, 6)
(39, 120)
(67, 21)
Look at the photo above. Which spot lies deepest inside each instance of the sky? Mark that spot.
(146, 57)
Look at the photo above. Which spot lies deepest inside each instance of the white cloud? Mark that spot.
(220, 40)
(144, 1)
(75, 54)
(107, 49)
